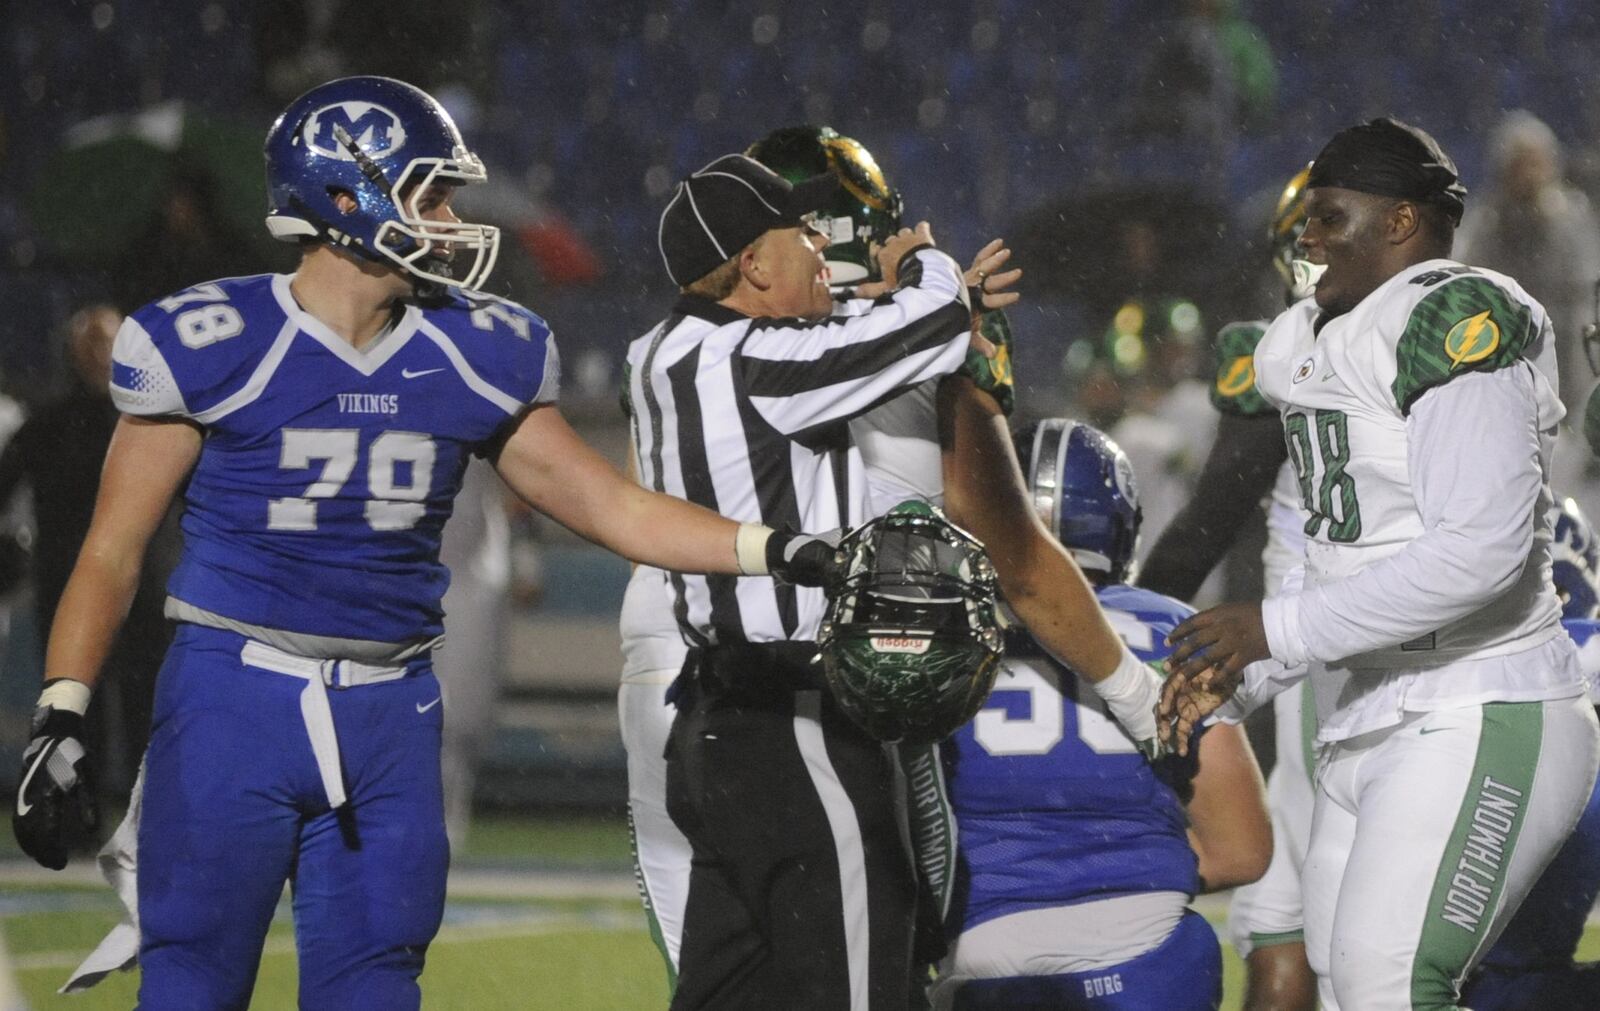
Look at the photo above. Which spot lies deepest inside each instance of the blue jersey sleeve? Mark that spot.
(501, 345)
(188, 353)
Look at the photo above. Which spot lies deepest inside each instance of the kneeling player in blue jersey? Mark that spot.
(1530, 966)
(320, 423)
(1077, 857)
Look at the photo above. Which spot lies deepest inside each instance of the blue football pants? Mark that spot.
(234, 807)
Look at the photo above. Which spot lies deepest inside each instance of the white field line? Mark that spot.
(464, 933)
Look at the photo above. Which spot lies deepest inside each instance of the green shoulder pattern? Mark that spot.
(1234, 391)
(1469, 324)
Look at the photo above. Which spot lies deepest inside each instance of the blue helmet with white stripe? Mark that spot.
(1082, 486)
(1575, 562)
(385, 143)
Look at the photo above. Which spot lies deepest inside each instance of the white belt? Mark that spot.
(314, 708)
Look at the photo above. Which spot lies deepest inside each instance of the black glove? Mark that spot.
(55, 807)
(804, 559)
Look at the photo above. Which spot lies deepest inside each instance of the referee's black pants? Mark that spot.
(801, 893)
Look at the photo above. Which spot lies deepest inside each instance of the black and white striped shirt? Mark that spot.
(749, 417)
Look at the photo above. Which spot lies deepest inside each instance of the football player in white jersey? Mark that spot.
(1457, 745)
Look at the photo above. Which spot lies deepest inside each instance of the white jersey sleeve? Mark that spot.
(141, 381)
(899, 444)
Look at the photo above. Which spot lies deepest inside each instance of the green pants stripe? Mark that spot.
(1471, 877)
(656, 934)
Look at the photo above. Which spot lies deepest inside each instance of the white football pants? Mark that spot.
(1426, 836)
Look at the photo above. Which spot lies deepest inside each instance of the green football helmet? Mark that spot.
(864, 214)
(911, 642)
(1299, 275)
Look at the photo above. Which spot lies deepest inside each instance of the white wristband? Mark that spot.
(1131, 692)
(67, 694)
(750, 548)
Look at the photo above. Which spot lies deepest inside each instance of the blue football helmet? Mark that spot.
(1575, 562)
(385, 143)
(1082, 486)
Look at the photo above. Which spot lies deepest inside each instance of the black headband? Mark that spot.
(1389, 158)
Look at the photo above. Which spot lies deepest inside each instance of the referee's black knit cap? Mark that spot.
(727, 205)
(1389, 158)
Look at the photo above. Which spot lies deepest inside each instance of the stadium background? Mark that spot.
(130, 136)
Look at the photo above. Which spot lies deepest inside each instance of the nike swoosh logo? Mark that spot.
(418, 374)
(22, 791)
(424, 708)
(1431, 730)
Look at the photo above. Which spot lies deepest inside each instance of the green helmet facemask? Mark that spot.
(911, 643)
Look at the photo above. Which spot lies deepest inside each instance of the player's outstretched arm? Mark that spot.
(1228, 825)
(145, 465)
(985, 493)
(555, 471)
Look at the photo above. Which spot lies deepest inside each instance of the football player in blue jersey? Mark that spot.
(1531, 965)
(1077, 858)
(319, 424)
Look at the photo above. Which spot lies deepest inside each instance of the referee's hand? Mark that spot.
(901, 243)
(804, 559)
(992, 283)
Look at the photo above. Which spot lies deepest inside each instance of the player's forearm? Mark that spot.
(92, 609)
(1220, 869)
(1230, 832)
(146, 463)
(666, 532)
(1475, 473)
(984, 492)
(1046, 589)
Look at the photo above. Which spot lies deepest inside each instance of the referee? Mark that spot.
(801, 893)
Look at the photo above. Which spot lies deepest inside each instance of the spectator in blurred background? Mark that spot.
(1539, 229)
(57, 453)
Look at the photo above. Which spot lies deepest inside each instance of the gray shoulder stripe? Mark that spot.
(252, 389)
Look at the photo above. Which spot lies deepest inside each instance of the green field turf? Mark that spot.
(495, 951)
